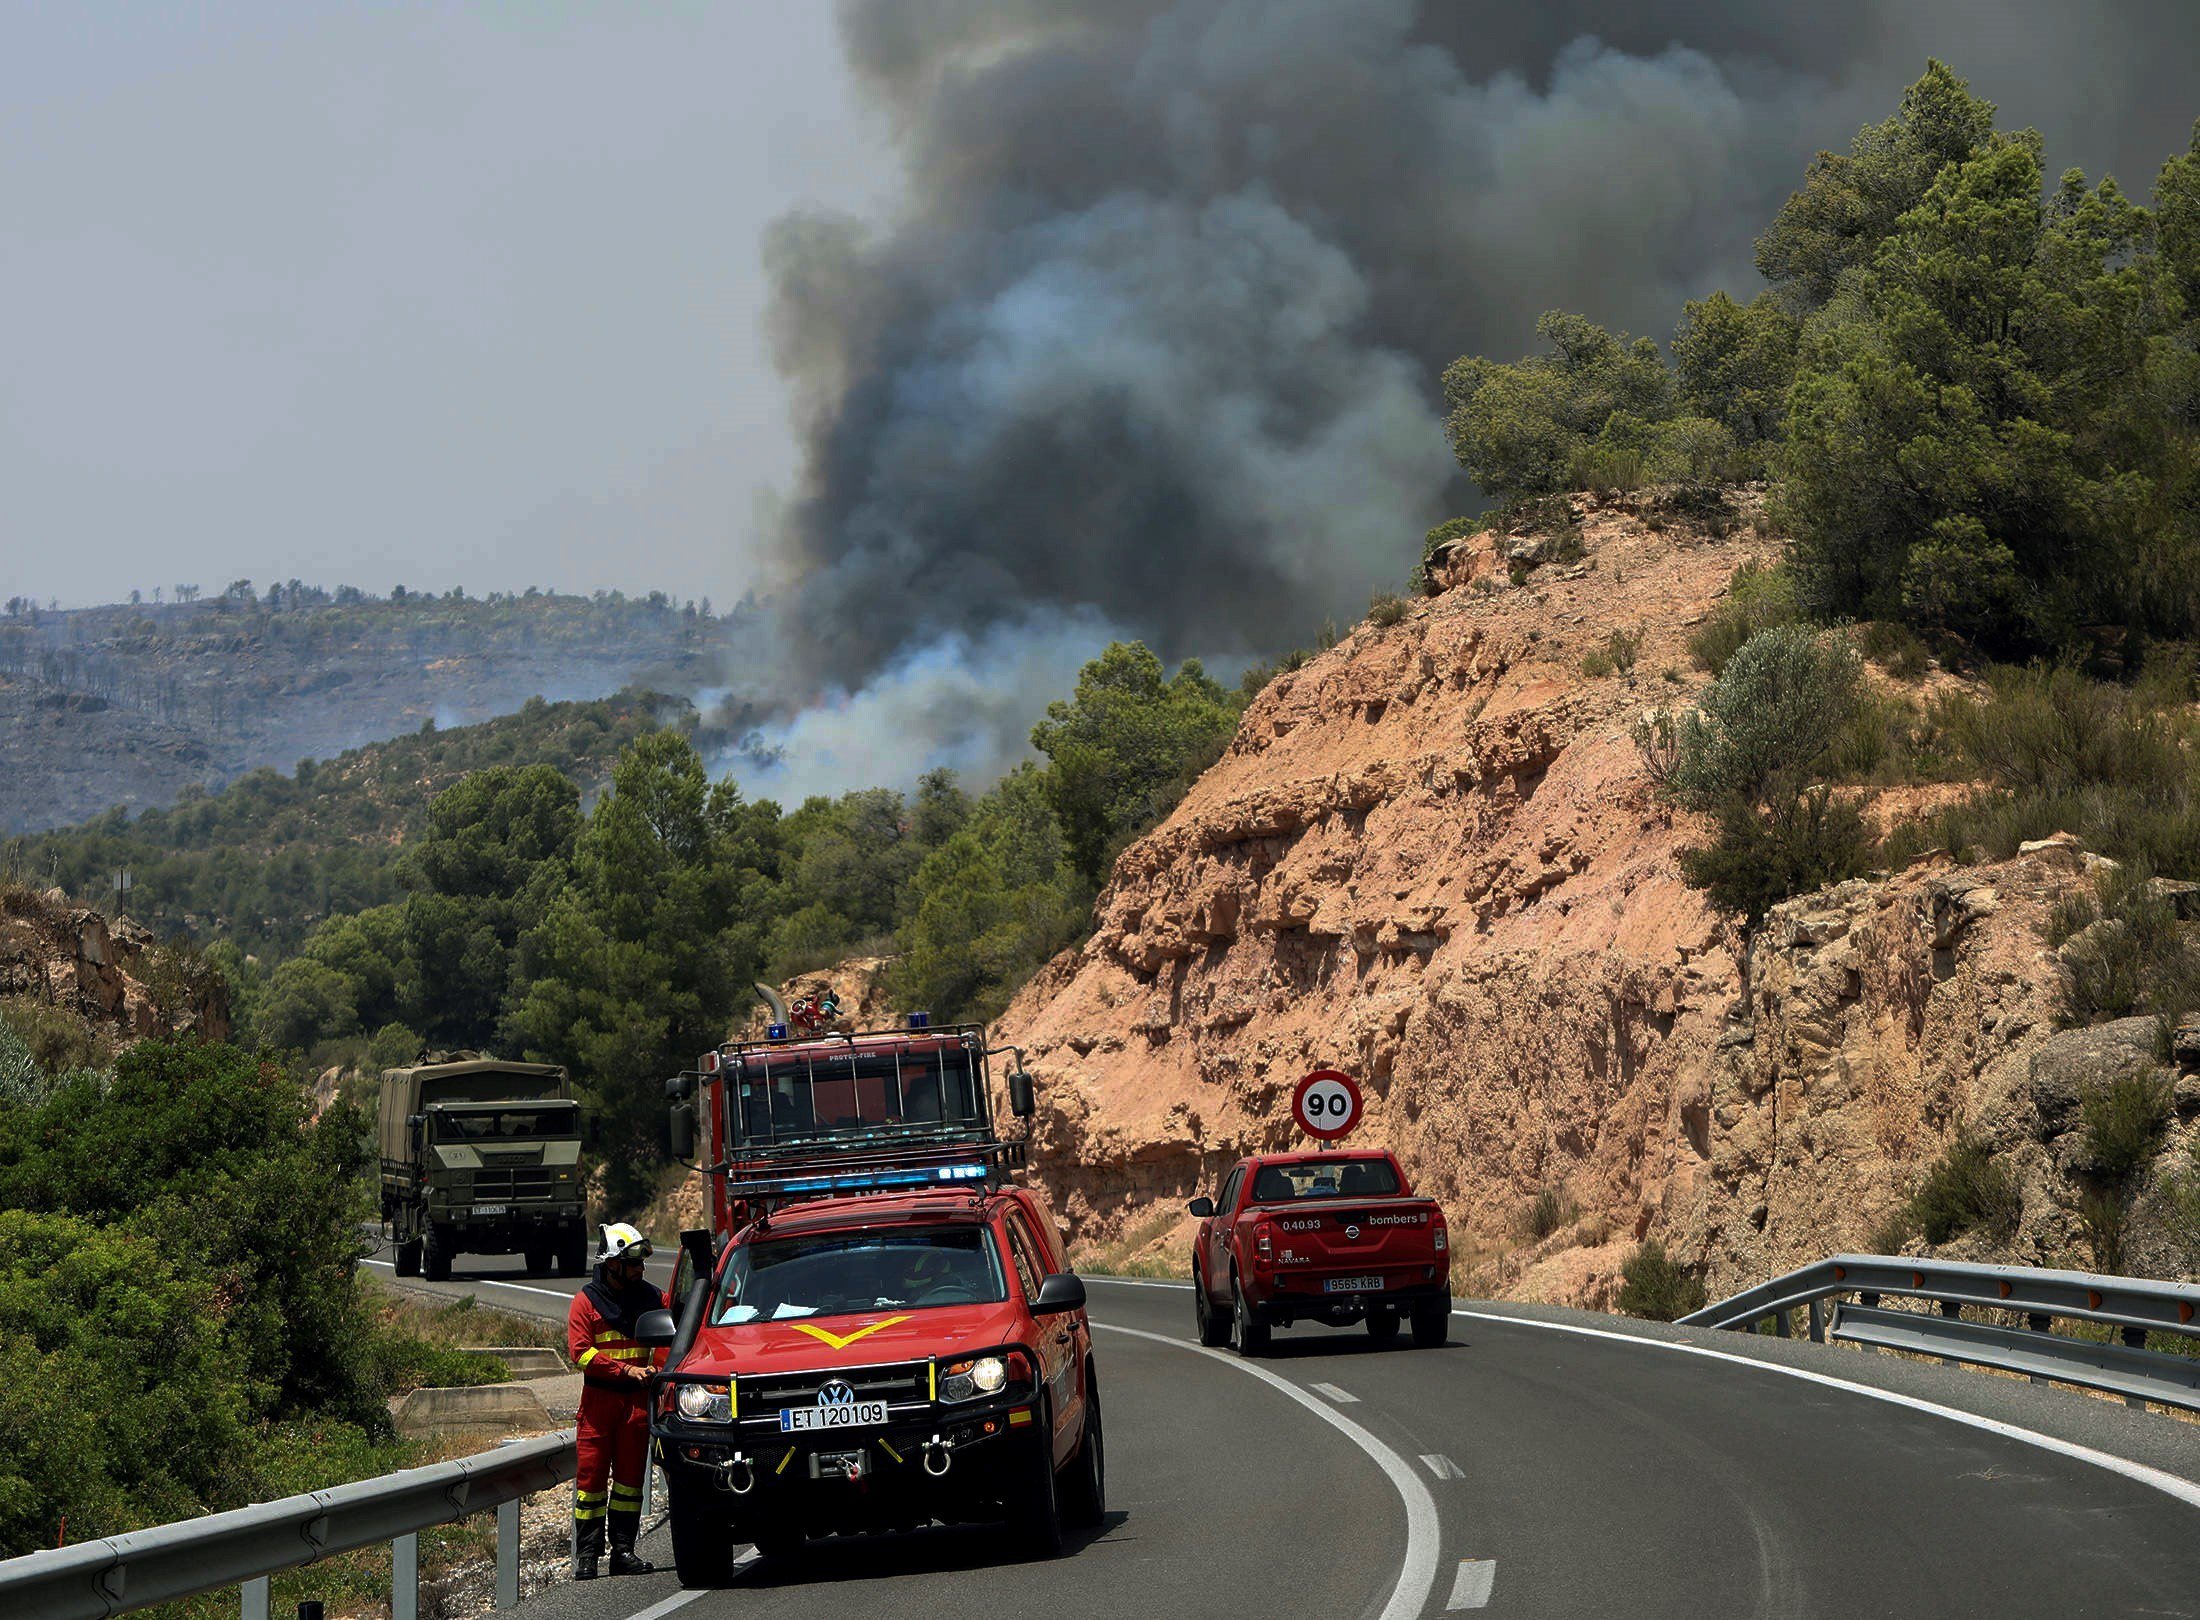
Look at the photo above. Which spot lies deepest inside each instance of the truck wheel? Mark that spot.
(1252, 1332)
(1432, 1322)
(408, 1259)
(1039, 1513)
(1214, 1327)
(1085, 1491)
(538, 1260)
(702, 1542)
(1382, 1325)
(573, 1260)
(435, 1254)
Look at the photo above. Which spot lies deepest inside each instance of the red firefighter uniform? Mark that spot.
(614, 1415)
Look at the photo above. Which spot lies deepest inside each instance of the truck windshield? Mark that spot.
(1329, 1178)
(833, 1092)
(834, 1274)
(508, 1124)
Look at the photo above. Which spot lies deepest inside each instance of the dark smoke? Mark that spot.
(1156, 335)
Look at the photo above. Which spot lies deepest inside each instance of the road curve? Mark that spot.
(1546, 1473)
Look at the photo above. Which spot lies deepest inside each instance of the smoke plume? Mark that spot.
(1152, 345)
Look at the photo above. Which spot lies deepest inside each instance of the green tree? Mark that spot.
(640, 962)
(1734, 363)
(306, 1002)
(1850, 201)
(1520, 429)
(1125, 747)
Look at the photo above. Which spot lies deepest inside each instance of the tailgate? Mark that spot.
(1355, 1233)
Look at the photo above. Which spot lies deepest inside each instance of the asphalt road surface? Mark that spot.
(1543, 1463)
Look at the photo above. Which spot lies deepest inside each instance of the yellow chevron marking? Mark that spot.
(841, 1341)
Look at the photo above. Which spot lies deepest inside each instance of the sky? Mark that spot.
(435, 295)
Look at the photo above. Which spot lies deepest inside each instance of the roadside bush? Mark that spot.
(1797, 843)
(1656, 1287)
(1385, 609)
(1966, 1189)
(1545, 1214)
(2122, 1124)
(1895, 648)
(1758, 598)
(2181, 1208)
(57, 1040)
(2123, 950)
(1616, 656)
(1774, 709)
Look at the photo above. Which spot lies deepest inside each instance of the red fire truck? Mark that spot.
(880, 1329)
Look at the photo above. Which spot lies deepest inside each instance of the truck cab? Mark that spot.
(481, 1156)
(882, 1329)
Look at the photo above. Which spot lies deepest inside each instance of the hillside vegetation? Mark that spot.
(136, 704)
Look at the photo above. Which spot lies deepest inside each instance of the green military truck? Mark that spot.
(481, 1156)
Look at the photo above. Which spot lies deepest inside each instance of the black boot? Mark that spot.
(587, 1547)
(624, 1560)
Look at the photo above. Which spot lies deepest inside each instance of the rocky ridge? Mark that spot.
(109, 972)
(1434, 856)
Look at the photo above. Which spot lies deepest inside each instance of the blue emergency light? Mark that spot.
(931, 1175)
(920, 1020)
(775, 1032)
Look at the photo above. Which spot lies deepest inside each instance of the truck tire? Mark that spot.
(539, 1260)
(1214, 1327)
(573, 1256)
(1038, 1510)
(702, 1541)
(1431, 1322)
(1252, 1332)
(408, 1258)
(1382, 1325)
(1085, 1487)
(435, 1254)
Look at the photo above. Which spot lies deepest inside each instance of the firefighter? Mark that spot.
(614, 1415)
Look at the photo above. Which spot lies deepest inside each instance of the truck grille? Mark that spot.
(897, 1384)
(529, 1182)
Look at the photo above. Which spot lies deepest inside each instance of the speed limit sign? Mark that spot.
(1327, 1104)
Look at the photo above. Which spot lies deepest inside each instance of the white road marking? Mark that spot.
(2184, 1490)
(687, 1595)
(486, 1282)
(1343, 1397)
(1471, 1588)
(1417, 1573)
(1442, 1466)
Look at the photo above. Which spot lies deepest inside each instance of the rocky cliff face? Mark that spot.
(1433, 857)
(111, 973)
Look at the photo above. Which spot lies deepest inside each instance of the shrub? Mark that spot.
(1545, 1214)
(1894, 647)
(1893, 1233)
(1757, 599)
(2123, 950)
(1774, 709)
(1385, 609)
(1798, 843)
(1656, 1287)
(1966, 1189)
(2181, 1209)
(2105, 1218)
(57, 1040)
(2122, 1124)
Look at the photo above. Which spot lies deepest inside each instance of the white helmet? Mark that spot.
(620, 1240)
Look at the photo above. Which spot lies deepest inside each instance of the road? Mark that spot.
(1542, 1464)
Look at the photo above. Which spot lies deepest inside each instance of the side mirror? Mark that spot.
(683, 1130)
(655, 1328)
(1062, 1291)
(1202, 1207)
(680, 1087)
(695, 1244)
(1021, 1101)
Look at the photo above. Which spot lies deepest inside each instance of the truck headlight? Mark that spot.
(704, 1403)
(967, 1380)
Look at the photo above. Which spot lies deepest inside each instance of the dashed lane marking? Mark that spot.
(1442, 1466)
(1470, 1589)
(1417, 1572)
(1343, 1397)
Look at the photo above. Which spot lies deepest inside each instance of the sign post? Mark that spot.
(1326, 1105)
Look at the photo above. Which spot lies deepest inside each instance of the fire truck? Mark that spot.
(880, 1328)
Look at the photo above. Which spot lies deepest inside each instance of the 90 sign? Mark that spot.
(1326, 1104)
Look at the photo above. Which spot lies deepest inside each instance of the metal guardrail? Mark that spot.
(2133, 1306)
(245, 1546)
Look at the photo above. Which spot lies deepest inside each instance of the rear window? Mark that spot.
(1327, 1178)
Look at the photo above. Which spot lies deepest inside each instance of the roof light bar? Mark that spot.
(858, 1181)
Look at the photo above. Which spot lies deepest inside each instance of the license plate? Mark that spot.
(1352, 1285)
(492, 1209)
(850, 1415)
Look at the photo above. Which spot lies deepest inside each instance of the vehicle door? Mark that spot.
(1218, 1232)
(1060, 1353)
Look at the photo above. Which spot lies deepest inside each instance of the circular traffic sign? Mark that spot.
(1326, 1104)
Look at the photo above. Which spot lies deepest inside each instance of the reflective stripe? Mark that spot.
(609, 1335)
(586, 1513)
(580, 1495)
(589, 1355)
(626, 1493)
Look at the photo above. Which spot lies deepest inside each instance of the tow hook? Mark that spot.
(939, 1456)
(736, 1475)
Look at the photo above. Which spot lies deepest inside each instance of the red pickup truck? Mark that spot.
(1332, 1236)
